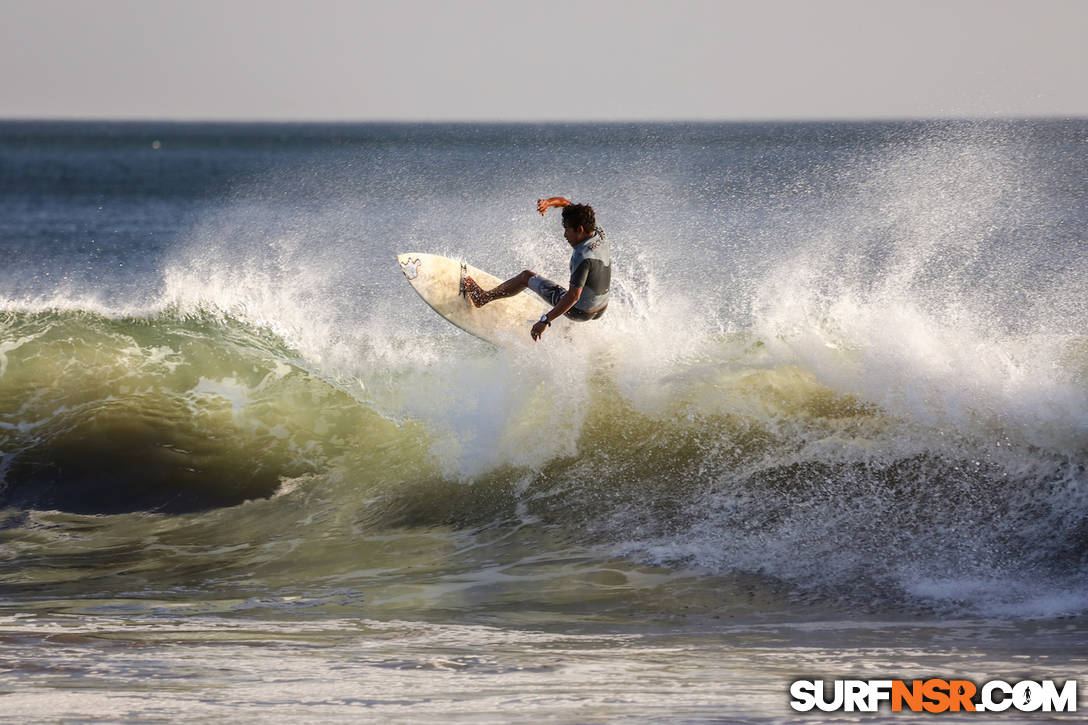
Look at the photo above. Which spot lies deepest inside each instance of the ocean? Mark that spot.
(833, 426)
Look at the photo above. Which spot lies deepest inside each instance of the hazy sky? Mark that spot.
(545, 60)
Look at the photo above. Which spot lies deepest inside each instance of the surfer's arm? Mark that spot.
(565, 303)
(543, 205)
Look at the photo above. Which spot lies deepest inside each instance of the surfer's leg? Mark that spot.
(509, 288)
(549, 291)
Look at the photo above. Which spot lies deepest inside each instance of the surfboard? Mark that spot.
(438, 281)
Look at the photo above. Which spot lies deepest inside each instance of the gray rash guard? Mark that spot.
(591, 269)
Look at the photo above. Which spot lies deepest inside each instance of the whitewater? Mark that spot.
(835, 423)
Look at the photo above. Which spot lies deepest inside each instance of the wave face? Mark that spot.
(163, 414)
(844, 364)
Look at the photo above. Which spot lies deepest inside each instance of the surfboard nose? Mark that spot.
(409, 264)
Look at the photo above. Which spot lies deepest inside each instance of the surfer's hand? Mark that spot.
(538, 330)
(542, 205)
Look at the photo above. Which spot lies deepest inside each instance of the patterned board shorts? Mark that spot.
(551, 293)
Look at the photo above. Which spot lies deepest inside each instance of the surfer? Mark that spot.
(590, 271)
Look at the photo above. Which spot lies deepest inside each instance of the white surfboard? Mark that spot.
(438, 281)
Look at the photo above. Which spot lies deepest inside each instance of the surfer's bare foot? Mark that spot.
(472, 290)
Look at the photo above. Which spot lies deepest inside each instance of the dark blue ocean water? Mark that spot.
(835, 421)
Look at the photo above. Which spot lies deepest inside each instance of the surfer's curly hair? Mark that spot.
(579, 215)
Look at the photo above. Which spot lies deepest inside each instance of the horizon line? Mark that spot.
(529, 122)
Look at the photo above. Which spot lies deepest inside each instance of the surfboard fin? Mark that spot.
(461, 284)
